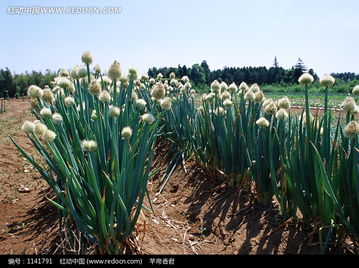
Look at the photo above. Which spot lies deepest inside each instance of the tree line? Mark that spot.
(15, 85)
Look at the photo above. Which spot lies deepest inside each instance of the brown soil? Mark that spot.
(193, 215)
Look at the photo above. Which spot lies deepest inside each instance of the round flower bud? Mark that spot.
(270, 109)
(34, 92)
(327, 80)
(74, 72)
(351, 130)
(355, 91)
(224, 86)
(114, 72)
(40, 129)
(187, 85)
(243, 87)
(106, 80)
(227, 103)
(45, 113)
(201, 109)
(185, 79)
(28, 127)
(141, 103)
(255, 88)
(94, 115)
(284, 103)
(95, 88)
(97, 69)
(172, 75)
(124, 82)
(349, 104)
(166, 103)
(226, 95)
(306, 79)
(148, 118)
(281, 114)
(152, 81)
(81, 73)
(258, 97)
(63, 73)
(249, 96)
(266, 102)
(105, 96)
(114, 111)
(134, 96)
(86, 57)
(215, 86)
(57, 118)
(126, 133)
(233, 88)
(262, 122)
(89, 145)
(63, 82)
(48, 96)
(159, 76)
(132, 74)
(158, 91)
(49, 136)
(69, 101)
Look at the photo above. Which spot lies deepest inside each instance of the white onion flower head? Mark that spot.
(48, 96)
(148, 118)
(134, 96)
(267, 102)
(185, 79)
(159, 75)
(45, 112)
(284, 103)
(152, 81)
(243, 87)
(306, 79)
(69, 101)
(132, 74)
(40, 129)
(351, 130)
(28, 127)
(192, 92)
(81, 73)
(105, 96)
(144, 77)
(270, 109)
(89, 145)
(126, 133)
(97, 69)
(233, 88)
(349, 104)
(215, 86)
(355, 91)
(158, 91)
(57, 118)
(166, 103)
(114, 111)
(172, 75)
(94, 115)
(258, 97)
(49, 135)
(327, 80)
(255, 88)
(95, 88)
(188, 85)
(227, 103)
(226, 95)
(86, 57)
(262, 122)
(141, 103)
(224, 86)
(249, 96)
(106, 80)
(220, 111)
(201, 109)
(114, 72)
(63, 72)
(34, 92)
(281, 114)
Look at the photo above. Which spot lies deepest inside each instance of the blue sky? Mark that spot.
(324, 33)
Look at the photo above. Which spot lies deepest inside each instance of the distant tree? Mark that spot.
(275, 63)
(7, 86)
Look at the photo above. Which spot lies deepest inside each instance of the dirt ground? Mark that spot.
(193, 215)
